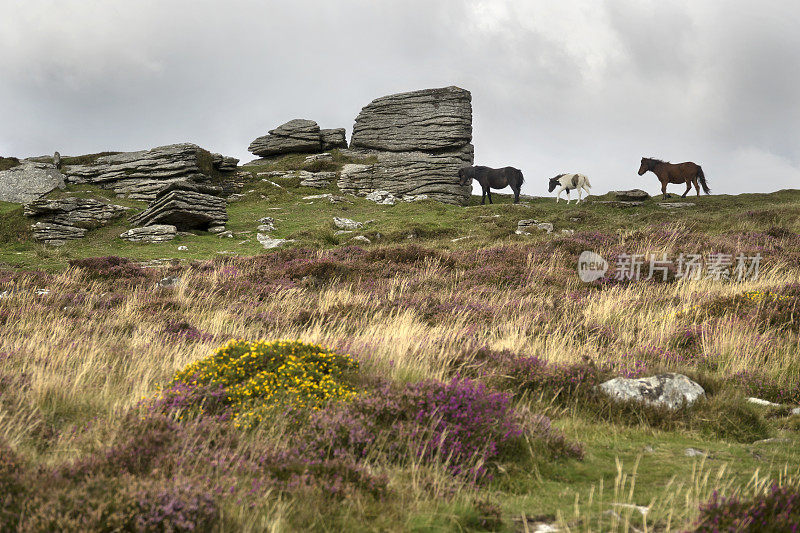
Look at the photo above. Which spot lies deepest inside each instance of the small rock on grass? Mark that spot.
(183, 248)
(759, 401)
(694, 452)
(361, 238)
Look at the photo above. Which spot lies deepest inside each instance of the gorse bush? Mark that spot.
(778, 510)
(258, 376)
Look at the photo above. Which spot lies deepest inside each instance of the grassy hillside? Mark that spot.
(448, 383)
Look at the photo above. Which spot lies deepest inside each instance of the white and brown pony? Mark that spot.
(569, 182)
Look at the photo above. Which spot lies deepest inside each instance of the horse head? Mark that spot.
(464, 177)
(647, 164)
(554, 182)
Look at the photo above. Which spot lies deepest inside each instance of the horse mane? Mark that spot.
(653, 159)
(559, 176)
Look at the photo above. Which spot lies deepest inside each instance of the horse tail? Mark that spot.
(702, 178)
(586, 180)
(521, 177)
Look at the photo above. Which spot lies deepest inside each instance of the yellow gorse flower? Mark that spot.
(260, 375)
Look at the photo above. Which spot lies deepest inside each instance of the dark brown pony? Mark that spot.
(493, 178)
(688, 173)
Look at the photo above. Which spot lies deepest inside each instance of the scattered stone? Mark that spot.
(461, 238)
(381, 197)
(332, 198)
(225, 234)
(216, 229)
(524, 227)
(186, 206)
(675, 205)
(669, 390)
(234, 197)
(420, 140)
(759, 401)
(796, 411)
(57, 160)
(61, 219)
(141, 175)
(342, 232)
(774, 440)
(568, 232)
(29, 181)
(168, 282)
(269, 242)
(150, 234)
(618, 203)
(273, 183)
(641, 508)
(318, 157)
(346, 223)
(649, 449)
(694, 452)
(633, 195)
(361, 238)
(183, 248)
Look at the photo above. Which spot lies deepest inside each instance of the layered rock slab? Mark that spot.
(186, 206)
(140, 175)
(61, 219)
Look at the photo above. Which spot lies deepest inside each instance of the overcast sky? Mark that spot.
(566, 86)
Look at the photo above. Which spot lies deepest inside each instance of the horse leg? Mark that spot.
(483, 197)
(697, 186)
(588, 192)
(664, 189)
(516, 195)
(579, 194)
(568, 198)
(489, 194)
(688, 188)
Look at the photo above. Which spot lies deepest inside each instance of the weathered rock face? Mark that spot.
(669, 390)
(28, 181)
(140, 175)
(427, 120)
(296, 136)
(333, 138)
(186, 206)
(150, 234)
(420, 140)
(61, 219)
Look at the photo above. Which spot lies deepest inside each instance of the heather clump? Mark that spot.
(461, 424)
(12, 487)
(759, 385)
(565, 381)
(777, 509)
(259, 376)
(109, 268)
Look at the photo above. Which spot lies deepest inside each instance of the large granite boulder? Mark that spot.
(28, 181)
(140, 175)
(296, 136)
(58, 220)
(427, 120)
(419, 141)
(186, 206)
(669, 390)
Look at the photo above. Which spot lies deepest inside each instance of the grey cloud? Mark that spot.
(708, 81)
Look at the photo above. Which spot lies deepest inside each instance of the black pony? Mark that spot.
(494, 178)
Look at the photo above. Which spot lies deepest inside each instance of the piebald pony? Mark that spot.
(569, 182)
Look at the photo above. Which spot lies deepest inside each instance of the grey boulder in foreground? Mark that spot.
(186, 206)
(669, 390)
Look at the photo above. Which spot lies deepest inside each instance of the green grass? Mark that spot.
(428, 222)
